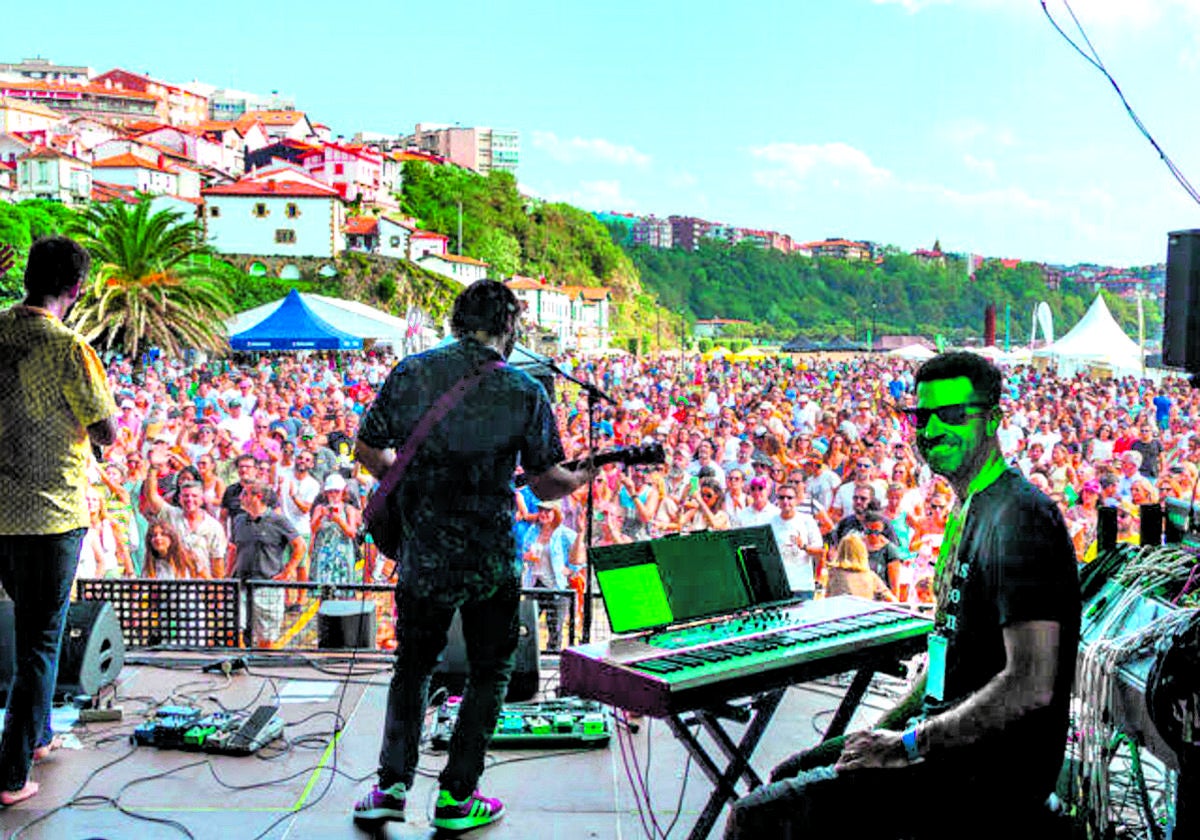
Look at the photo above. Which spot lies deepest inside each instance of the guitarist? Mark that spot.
(451, 522)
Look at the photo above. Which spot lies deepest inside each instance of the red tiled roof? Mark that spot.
(9, 87)
(289, 189)
(458, 259)
(144, 126)
(362, 225)
(127, 161)
(39, 152)
(276, 117)
(428, 234)
(28, 105)
(105, 192)
(428, 157)
(144, 78)
(833, 243)
(518, 283)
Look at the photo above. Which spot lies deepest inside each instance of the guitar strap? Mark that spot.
(432, 416)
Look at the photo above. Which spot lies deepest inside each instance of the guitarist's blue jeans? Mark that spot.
(490, 630)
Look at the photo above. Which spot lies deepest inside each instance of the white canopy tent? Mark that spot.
(913, 352)
(1096, 340)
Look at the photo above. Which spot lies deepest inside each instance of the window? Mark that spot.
(285, 236)
(261, 211)
(395, 241)
(292, 210)
(214, 212)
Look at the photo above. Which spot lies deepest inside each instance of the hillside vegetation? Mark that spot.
(785, 295)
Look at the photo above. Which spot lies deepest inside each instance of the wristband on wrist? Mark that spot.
(909, 739)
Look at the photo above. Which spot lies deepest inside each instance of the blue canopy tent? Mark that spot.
(294, 326)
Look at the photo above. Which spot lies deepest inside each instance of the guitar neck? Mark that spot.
(636, 455)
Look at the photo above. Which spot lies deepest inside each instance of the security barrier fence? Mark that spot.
(287, 615)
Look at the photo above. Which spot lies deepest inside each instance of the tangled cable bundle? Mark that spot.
(1162, 571)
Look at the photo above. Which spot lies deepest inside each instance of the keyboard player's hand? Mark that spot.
(822, 755)
(876, 748)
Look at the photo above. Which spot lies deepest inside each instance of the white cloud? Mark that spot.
(591, 195)
(795, 162)
(579, 149)
(983, 166)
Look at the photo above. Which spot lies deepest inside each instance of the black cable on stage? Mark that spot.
(1094, 59)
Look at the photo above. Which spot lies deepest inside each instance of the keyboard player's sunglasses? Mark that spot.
(951, 415)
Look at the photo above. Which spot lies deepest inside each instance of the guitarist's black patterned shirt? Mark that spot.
(455, 502)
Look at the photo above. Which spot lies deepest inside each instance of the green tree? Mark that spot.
(154, 284)
(501, 251)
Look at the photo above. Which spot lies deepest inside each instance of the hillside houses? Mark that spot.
(576, 316)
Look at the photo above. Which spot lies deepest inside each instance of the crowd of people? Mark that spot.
(812, 447)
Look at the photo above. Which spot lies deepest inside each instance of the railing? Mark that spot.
(273, 615)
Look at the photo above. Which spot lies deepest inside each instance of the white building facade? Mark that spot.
(274, 218)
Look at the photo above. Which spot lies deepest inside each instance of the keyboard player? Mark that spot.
(978, 742)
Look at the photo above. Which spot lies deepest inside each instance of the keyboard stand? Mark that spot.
(737, 755)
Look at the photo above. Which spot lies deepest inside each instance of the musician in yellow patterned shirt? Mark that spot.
(54, 401)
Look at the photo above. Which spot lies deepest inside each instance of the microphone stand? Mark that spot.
(593, 394)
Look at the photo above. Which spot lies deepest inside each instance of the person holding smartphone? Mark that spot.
(333, 553)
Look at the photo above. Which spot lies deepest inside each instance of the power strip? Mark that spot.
(113, 713)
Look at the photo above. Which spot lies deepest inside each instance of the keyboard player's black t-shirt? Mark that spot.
(1016, 563)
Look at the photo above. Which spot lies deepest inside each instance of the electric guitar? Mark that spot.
(630, 456)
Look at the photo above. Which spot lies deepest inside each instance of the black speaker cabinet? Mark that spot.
(346, 624)
(1181, 312)
(451, 672)
(93, 650)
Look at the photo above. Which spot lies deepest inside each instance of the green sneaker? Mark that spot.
(472, 812)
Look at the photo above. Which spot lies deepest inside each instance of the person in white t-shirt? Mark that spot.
(239, 423)
(760, 511)
(800, 543)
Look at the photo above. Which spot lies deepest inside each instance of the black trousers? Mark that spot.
(927, 800)
(490, 630)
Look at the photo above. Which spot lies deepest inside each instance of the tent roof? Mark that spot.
(913, 352)
(1097, 337)
(292, 325)
(350, 316)
(841, 343)
(799, 344)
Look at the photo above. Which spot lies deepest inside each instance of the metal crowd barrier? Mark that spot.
(205, 614)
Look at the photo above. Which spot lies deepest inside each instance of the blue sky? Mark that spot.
(900, 121)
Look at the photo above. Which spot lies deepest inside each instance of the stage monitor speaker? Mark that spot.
(346, 624)
(93, 649)
(1181, 310)
(451, 672)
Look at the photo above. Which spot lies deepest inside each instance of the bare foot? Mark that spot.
(43, 752)
(12, 797)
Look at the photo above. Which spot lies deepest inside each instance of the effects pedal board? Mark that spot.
(220, 733)
(549, 724)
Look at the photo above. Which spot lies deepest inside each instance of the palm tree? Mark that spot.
(154, 282)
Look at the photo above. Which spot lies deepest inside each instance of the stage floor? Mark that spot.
(307, 790)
